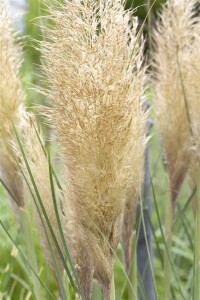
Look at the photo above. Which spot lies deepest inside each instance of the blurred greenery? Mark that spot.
(144, 5)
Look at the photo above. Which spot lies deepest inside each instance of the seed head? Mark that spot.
(93, 62)
(173, 37)
(11, 100)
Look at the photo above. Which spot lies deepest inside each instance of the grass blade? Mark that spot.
(25, 258)
(30, 249)
(164, 241)
(60, 226)
(42, 208)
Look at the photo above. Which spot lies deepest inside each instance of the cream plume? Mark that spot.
(93, 62)
(11, 104)
(173, 37)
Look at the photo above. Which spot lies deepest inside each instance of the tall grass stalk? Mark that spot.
(174, 36)
(30, 250)
(113, 296)
(149, 20)
(168, 238)
(197, 245)
(148, 250)
(164, 240)
(132, 291)
(45, 226)
(24, 258)
(43, 217)
(96, 291)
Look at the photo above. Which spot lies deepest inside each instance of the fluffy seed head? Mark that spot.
(11, 99)
(173, 37)
(93, 62)
(193, 88)
(193, 98)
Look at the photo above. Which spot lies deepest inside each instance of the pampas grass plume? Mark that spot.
(12, 109)
(193, 88)
(193, 96)
(93, 62)
(11, 104)
(174, 34)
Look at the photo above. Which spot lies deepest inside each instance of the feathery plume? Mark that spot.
(93, 62)
(192, 90)
(132, 197)
(12, 109)
(11, 105)
(193, 96)
(173, 39)
(173, 36)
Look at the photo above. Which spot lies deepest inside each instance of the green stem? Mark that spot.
(168, 238)
(197, 245)
(132, 291)
(113, 297)
(30, 250)
(96, 291)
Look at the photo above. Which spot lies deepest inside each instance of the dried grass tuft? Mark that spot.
(93, 62)
(12, 109)
(193, 96)
(173, 37)
(193, 88)
(11, 104)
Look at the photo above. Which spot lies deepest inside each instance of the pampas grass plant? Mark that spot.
(193, 96)
(173, 37)
(95, 89)
(14, 120)
(11, 106)
(11, 112)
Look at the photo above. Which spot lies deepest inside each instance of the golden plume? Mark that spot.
(12, 109)
(11, 105)
(192, 91)
(174, 34)
(93, 62)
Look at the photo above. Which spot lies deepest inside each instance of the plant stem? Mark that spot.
(30, 250)
(144, 245)
(96, 293)
(197, 244)
(168, 238)
(113, 289)
(149, 8)
(132, 291)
